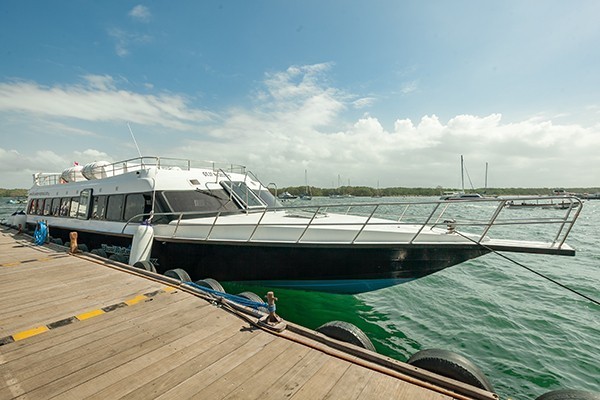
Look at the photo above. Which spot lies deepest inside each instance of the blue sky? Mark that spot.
(382, 91)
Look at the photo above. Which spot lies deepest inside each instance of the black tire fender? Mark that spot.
(346, 332)
(178, 273)
(254, 297)
(145, 265)
(568, 394)
(451, 365)
(99, 253)
(211, 284)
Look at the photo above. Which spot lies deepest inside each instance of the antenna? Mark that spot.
(134, 141)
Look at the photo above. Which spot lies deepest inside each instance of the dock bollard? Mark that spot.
(272, 321)
(73, 245)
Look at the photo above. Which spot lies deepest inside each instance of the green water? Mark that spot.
(526, 334)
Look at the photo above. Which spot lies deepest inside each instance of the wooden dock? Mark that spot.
(77, 326)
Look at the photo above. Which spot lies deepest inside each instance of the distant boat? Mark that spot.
(287, 196)
(462, 195)
(306, 195)
(544, 203)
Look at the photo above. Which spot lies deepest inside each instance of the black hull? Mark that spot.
(300, 263)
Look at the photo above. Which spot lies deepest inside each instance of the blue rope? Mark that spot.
(40, 234)
(231, 297)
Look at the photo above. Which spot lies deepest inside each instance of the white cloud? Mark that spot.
(98, 99)
(124, 39)
(297, 121)
(140, 13)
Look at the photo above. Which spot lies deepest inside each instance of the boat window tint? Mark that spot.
(55, 209)
(74, 206)
(199, 201)
(99, 207)
(137, 204)
(114, 209)
(84, 203)
(65, 202)
(47, 206)
(243, 194)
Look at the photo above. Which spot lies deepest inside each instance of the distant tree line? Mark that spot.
(364, 191)
(13, 192)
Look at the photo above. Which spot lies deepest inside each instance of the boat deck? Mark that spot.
(76, 326)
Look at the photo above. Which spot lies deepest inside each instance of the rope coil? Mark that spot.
(41, 233)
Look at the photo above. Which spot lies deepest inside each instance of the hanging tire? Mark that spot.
(346, 332)
(82, 247)
(568, 394)
(57, 241)
(254, 297)
(118, 257)
(179, 274)
(145, 265)
(99, 252)
(450, 365)
(211, 284)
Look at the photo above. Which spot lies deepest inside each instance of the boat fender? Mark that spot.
(99, 253)
(145, 265)
(254, 297)
(178, 273)
(450, 365)
(347, 332)
(215, 285)
(141, 245)
(20, 221)
(568, 394)
(118, 257)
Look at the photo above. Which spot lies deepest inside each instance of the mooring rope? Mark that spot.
(231, 297)
(532, 270)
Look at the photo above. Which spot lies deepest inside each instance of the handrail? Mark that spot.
(428, 215)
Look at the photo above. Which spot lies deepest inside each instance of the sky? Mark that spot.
(365, 93)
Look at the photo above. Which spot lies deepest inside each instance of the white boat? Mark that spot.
(224, 224)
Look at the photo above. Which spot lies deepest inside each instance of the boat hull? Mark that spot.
(347, 269)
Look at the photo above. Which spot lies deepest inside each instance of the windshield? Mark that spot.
(199, 201)
(244, 195)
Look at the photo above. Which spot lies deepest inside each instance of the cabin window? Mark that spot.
(84, 203)
(137, 204)
(65, 202)
(47, 206)
(243, 194)
(199, 201)
(74, 207)
(55, 209)
(99, 207)
(114, 209)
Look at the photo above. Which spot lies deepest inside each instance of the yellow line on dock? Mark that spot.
(82, 317)
(89, 314)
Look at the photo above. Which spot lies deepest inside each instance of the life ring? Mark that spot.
(451, 365)
(346, 332)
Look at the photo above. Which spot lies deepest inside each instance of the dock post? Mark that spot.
(272, 321)
(73, 245)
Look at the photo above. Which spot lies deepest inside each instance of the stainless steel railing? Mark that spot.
(485, 215)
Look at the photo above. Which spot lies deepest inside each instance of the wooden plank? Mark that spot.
(136, 379)
(225, 363)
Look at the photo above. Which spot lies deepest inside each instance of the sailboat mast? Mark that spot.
(486, 170)
(462, 173)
